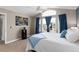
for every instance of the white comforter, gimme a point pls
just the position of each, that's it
(53, 43)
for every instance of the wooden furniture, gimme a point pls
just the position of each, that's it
(24, 33)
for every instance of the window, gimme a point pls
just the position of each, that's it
(53, 23)
(53, 20)
(44, 26)
(49, 13)
(40, 26)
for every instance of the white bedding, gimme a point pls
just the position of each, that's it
(53, 43)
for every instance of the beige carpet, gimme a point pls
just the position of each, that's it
(18, 46)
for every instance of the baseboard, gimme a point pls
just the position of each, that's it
(11, 41)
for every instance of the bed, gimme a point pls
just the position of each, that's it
(52, 43)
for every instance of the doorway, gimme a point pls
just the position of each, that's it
(3, 27)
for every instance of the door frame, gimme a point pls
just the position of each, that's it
(4, 27)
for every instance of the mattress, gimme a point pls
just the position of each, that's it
(53, 43)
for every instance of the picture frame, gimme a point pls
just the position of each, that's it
(21, 21)
(25, 21)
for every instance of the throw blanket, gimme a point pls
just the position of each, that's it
(35, 39)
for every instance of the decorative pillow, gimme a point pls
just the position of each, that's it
(72, 35)
(74, 28)
(63, 33)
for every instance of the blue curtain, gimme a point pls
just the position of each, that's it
(37, 25)
(48, 20)
(63, 22)
(77, 16)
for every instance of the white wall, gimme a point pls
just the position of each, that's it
(12, 29)
(32, 25)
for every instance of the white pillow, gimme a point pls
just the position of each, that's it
(72, 35)
(74, 28)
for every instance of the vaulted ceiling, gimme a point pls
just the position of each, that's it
(33, 10)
